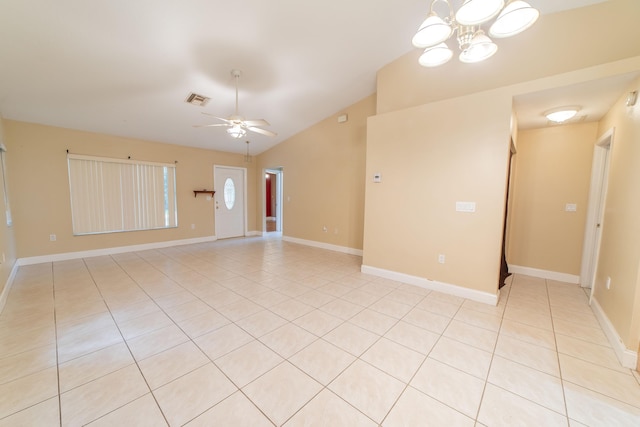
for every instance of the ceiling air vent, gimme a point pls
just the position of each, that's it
(198, 100)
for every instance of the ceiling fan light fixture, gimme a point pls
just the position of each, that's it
(516, 17)
(562, 114)
(474, 12)
(236, 132)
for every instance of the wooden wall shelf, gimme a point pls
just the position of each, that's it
(196, 192)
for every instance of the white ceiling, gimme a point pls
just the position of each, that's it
(124, 67)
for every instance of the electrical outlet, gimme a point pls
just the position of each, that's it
(193, 226)
(324, 229)
(52, 237)
(608, 283)
(441, 258)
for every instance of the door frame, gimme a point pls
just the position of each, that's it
(279, 186)
(244, 197)
(595, 210)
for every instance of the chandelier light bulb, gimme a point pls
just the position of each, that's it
(562, 114)
(481, 48)
(435, 55)
(433, 31)
(474, 12)
(236, 132)
(516, 17)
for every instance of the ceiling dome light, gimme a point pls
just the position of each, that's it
(432, 32)
(236, 132)
(562, 114)
(516, 17)
(481, 48)
(474, 12)
(435, 55)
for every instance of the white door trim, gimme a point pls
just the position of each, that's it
(278, 173)
(244, 196)
(595, 210)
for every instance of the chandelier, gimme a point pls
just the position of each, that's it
(466, 23)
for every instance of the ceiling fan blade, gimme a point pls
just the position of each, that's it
(262, 131)
(212, 125)
(257, 122)
(216, 117)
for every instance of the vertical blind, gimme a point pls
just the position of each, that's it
(112, 195)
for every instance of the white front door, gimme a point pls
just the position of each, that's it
(229, 201)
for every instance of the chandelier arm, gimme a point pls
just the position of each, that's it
(451, 13)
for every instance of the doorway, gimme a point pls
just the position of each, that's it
(595, 213)
(230, 201)
(272, 219)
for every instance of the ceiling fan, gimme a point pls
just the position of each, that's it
(236, 124)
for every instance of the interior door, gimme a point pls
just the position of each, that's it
(229, 201)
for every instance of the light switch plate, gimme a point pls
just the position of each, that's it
(465, 206)
(571, 207)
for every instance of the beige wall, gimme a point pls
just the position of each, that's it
(323, 176)
(620, 246)
(40, 187)
(428, 161)
(7, 237)
(534, 54)
(553, 169)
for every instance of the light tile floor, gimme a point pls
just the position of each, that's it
(260, 332)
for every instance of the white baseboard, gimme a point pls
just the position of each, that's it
(545, 274)
(627, 358)
(7, 286)
(110, 251)
(253, 233)
(321, 245)
(472, 294)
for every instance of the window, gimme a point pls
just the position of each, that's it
(7, 208)
(112, 195)
(229, 193)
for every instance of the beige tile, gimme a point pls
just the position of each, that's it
(187, 310)
(394, 359)
(291, 309)
(361, 297)
(318, 322)
(415, 338)
(270, 298)
(450, 386)
(191, 395)
(614, 384)
(322, 361)
(41, 414)
(142, 412)
(540, 319)
(472, 335)
(26, 391)
(527, 333)
(156, 342)
(236, 410)
(261, 323)
(415, 408)
(437, 306)
(176, 299)
(478, 318)
(240, 309)
(327, 409)
(342, 309)
(282, 391)
(531, 355)
(26, 363)
(130, 311)
(94, 365)
(222, 341)
(391, 308)
(576, 330)
(351, 338)
(596, 410)
(462, 356)
(173, 363)
(427, 320)
(203, 323)
(373, 321)
(97, 398)
(368, 389)
(502, 408)
(248, 362)
(541, 388)
(594, 353)
(315, 298)
(335, 289)
(288, 340)
(144, 324)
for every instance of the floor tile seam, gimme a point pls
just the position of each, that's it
(611, 370)
(577, 338)
(600, 393)
(533, 401)
(55, 331)
(130, 353)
